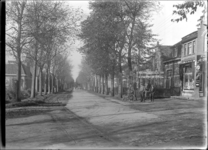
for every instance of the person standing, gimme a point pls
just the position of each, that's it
(142, 92)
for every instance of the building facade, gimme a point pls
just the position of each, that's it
(171, 68)
(192, 65)
(11, 75)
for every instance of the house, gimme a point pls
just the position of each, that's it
(192, 65)
(187, 64)
(11, 75)
(171, 68)
(162, 53)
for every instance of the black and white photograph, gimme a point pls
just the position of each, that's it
(105, 74)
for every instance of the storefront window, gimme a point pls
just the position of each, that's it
(188, 82)
(189, 48)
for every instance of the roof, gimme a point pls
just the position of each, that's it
(165, 51)
(189, 37)
(177, 44)
(12, 69)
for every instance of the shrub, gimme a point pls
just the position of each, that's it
(10, 95)
(25, 94)
(162, 92)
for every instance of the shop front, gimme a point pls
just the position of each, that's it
(187, 77)
(192, 76)
(188, 80)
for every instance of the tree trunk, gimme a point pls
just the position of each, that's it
(45, 83)
(49, 81)
(129, 50)
(96, 83)
(33, 80)
(40, 82)
(99, 86)
(36, 84)
(120, 88)
(106, 84)
(18, 84)
(52, 90)
(112, 84)
(103, 86)
(57, 85)
(19, 49)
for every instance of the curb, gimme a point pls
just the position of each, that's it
(186, 98)
(33, 108)
(28, 100)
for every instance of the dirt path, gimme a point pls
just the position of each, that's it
(144, 124)
(91, 121)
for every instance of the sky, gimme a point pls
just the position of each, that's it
(169, 33)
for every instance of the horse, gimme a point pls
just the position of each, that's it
(142, 92)
(149, 89)
(152, 93)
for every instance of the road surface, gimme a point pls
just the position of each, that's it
(92, 121)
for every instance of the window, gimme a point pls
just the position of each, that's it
(184, 49)
(193, 47)
(190, 48)
(188, 81)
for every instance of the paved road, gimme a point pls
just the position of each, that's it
(91, 121)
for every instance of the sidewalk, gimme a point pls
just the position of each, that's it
(186, 98)
(116, 99)
(119, 100)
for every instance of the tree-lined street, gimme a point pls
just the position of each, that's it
(132, 89)
(91, 121)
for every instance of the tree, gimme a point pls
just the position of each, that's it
(52, 26)
(84, 74)
(188, 7)
(16, 38)
(63, 71)
(99, 32)
(137, 14)
(112, 29)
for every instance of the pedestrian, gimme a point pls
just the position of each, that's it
(152, 92)
(147, 90)
(141, 91)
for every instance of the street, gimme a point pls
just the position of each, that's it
(91, 121)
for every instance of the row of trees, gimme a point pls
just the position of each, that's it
(42, 32)
(115, 35)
